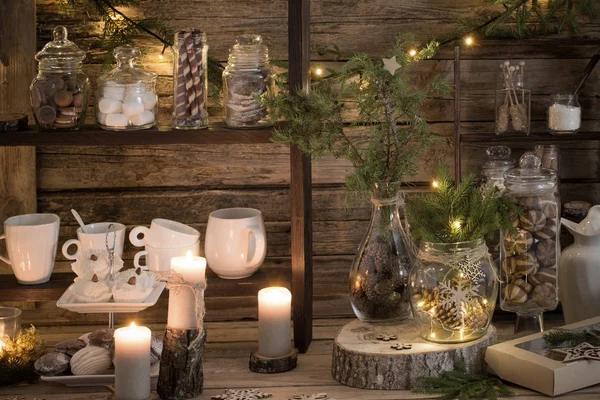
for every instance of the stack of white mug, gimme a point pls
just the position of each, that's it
(164, 240)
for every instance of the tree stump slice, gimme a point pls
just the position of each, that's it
(181, 373)
(273, 365)
(361, 360)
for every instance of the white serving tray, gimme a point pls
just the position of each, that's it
(68, 302)
(96, 380)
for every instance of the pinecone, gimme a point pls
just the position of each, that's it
(475, 317)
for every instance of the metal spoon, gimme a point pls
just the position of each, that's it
(78, 218)
(587, 72)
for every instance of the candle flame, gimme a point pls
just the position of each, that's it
(132, 324)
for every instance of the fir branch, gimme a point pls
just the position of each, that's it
(459, 384)
(570, 338)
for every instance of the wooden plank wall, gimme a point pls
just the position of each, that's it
(133, 184)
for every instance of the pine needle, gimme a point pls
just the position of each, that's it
(459, 384)
(570, 338)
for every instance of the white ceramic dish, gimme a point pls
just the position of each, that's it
(68, 302)
(95, 380)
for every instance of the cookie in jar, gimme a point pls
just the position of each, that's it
(530, 252)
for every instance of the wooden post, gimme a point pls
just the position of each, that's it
(301, 196)
(457, 115)
(17, 69)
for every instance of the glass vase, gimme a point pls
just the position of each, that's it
(453, 290)
(380, 270)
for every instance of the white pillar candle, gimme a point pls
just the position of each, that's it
(274, 316)
(132, 363)
(182, 302)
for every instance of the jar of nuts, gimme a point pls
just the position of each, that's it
(59, 92)
(529, 255)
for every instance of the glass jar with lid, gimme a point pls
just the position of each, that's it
(245, 79)
(513, 101)
(59, 92)
(126, 96)
(564, 114)
(497, 163)
(529, 255)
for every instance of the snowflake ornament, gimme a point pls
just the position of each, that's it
(456, 295)
(401, 346)
(386, 338)
(471, 270)
(316, 396)
(242, 394)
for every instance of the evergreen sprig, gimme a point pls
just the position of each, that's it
(569, 338)
(461, 385)
(452, 213)
(389, 106)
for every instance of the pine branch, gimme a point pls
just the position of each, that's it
(459, 384)
(569, 338)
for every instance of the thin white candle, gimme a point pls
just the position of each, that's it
(132, 363)
(182, 302)
(274, 315)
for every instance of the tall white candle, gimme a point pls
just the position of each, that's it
(274, 327)
(132, 363)
(182, 302)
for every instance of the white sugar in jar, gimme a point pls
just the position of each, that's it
(564, 114)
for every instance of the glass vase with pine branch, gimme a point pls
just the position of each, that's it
(381, 267)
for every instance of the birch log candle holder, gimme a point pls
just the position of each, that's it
(181, 373)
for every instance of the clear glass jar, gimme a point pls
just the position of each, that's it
(549, 154)
(379, 274)
(529, 257)
(453, 291)
(564, 114)
(513, 101)
(126, 96)
(245, 79)
(190, 80)
(10, 323)
(59, 92)
(497, 163)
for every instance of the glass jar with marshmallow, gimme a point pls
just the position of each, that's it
(126, 96)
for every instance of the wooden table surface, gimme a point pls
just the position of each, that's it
(226, 367)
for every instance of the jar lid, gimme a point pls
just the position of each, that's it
(60, 49)
(498, 157)
(127, 72)
(530, 171)
(249, 49)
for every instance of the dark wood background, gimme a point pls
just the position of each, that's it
(133, 184)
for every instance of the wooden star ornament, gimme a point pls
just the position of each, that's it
(391, 64)
(584, 351)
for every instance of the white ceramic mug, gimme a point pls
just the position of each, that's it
(164, 233)
(236, 243)
(94, 237)
(31, 242)
(159, 259)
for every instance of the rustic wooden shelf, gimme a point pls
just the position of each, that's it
(487, 138)
(94, 136)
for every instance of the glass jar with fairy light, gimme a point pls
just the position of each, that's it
(513, 101)
(529, 255)
(59, 92)
(126, 96)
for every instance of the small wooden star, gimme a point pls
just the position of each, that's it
(401, 346)
(584, 351)
(391, 64)
(386, 338)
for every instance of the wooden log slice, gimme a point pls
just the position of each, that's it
(181, 373)
(361, 360)
(270, 365)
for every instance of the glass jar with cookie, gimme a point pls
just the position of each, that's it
(529, 255)
(59, 92)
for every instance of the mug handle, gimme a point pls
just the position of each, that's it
(6, 260)
(136, 260)
(133, 236)
(65, 249)
(260, 246)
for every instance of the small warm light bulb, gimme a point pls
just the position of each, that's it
(420, 304)
(318, 72)
(469, 40)
(160, 56)
(1, 345)
(432, 335)
(485, 301)
(435, 184)
(456, 224)
(412, 52)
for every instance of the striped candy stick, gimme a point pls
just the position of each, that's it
(189, 76)
(198, 73)
(181, 106)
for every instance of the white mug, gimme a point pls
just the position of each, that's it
(159, 259)
(236, 243)
(31, 242)
(164, 233)
(94, 237)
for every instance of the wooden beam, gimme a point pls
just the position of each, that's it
(299, 79)
(17, 69)
(457, 114)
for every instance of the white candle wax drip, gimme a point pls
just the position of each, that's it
(274, 316)
(182, 302)
(563, 118)
(132, 363)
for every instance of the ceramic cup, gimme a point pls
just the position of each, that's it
(236, 243)
(31, 242)
(95, 238)
(159, 259)
(164, 233)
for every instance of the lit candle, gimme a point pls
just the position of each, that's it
(182, 302)
(274, 315)
(132, 363)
